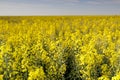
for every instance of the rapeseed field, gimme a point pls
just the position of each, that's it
(60, 48)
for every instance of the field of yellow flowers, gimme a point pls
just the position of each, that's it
(60, 48)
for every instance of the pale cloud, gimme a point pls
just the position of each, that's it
(72, 0)
(65, 0)
(103, 2)
(116, 1)
(94, 2)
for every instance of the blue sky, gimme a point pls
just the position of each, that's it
(59, 7)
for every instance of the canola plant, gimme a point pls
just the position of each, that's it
(60, 48)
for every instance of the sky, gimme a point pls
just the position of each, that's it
(59, 7)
